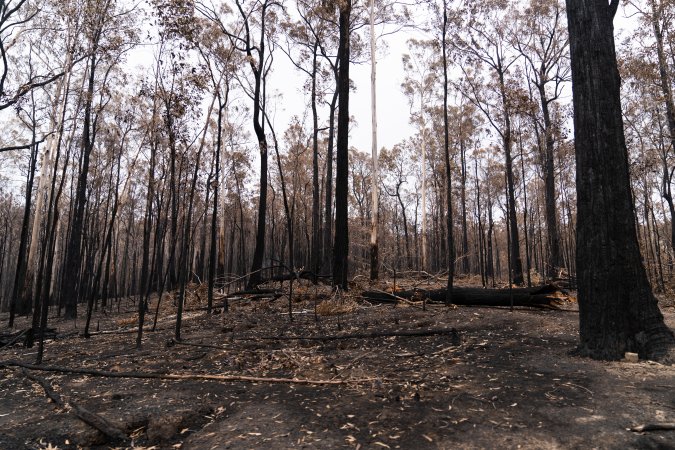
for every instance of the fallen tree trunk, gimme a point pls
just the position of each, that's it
(548, 296)
(171, 376)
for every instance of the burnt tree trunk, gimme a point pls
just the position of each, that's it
(551, 213)
(214, 215)
(617, 310)
(258, 126)
(514, 239)
(448, 171)
(22, 261)
(665, 82)
(73, 259)
(316, 202)
(547, 296)
(341, 247)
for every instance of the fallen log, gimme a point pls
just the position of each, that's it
(547, 296)
(100, 423)
(254, 294)
(176, 376)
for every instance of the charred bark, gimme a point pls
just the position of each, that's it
(618, 312)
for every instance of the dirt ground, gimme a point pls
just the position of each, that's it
(504, 380)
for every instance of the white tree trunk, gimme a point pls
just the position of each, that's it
(375, 168)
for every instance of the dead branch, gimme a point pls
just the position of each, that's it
(399, 299)
(194, 344)
(12, 339)
(375, 334)
(172, 376)
(654, 427)
(86, 416)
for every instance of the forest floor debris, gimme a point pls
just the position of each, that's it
(401, 377)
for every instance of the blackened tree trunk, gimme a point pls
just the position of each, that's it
(174, 191)
(316, 202)
(617, 310)
(214, 216)
(187, 242)
(514, 246)
(328, 214)
(665, 81)
(341, 248)
(107, 244)
(466, 266)
(489, 266)
(22, 261)
(257, 67)
(448, 172)
(551, 213)
(73, 259)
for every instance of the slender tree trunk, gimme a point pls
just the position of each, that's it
(73, 260)
(375, 173)
(665, 82)
(514, 239)
(258, 125)
(328, 219)
(185, 250)
(525, 210)
(490, 268)
(423, 164)
(146, 267)
(617, 310)
(107, 244)
(21, 264)
(448, 170)
(466, 267)
(553, 235)
(213, 249)
(406, 235)
(315, 245)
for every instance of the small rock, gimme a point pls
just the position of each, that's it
(631, 357)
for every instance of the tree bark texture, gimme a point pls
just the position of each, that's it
(341, 247)
(617, 311)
